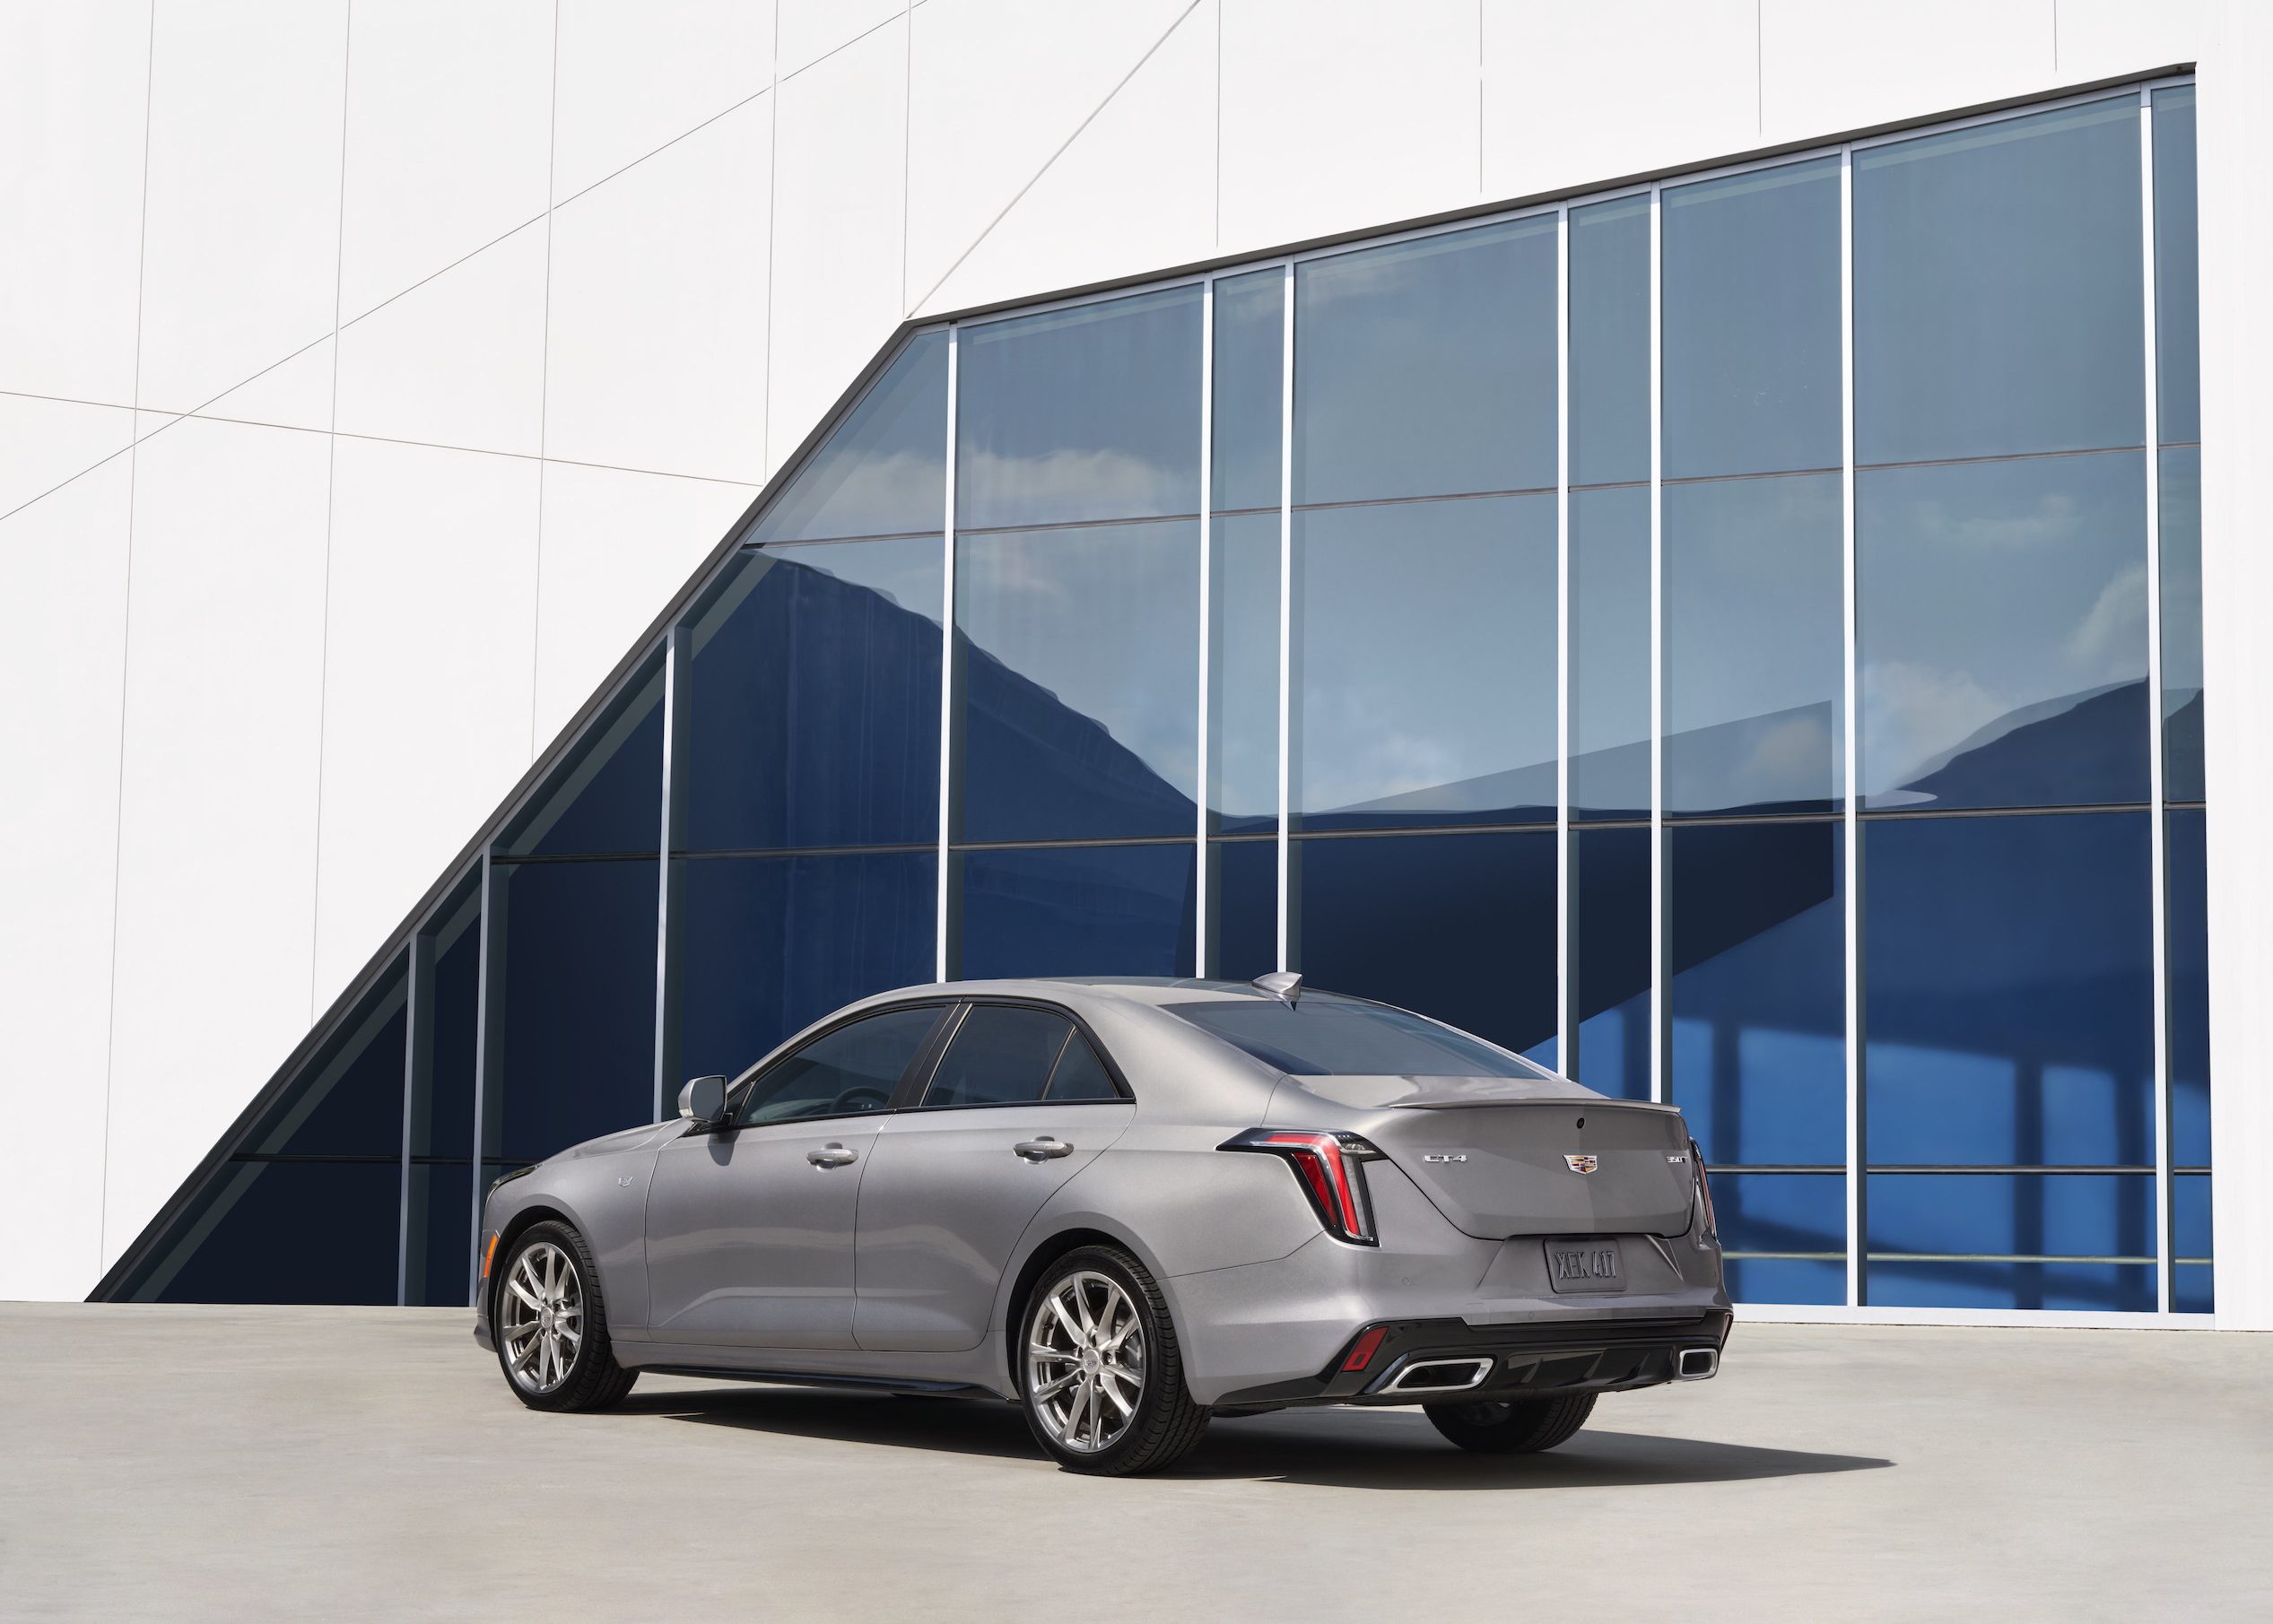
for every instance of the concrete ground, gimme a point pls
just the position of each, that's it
(243, 1463)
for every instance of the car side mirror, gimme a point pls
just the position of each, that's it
(703, 1101)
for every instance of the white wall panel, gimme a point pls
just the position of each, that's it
(63, 626)
(459, 360)
(1137, 187)
(996, 88)
(239, 254)
(631, 78)
(836, 279)
(217, 807)
(2101, 38)
(656, 354)
(1574, 95)
(448, 134)
(296, 393)
(428, 664)
(1827, 68)
(71, 82)
(810, 30)
(45, 442)
(616, 546)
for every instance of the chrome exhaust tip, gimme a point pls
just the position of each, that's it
(1695, 1364)
(1437, 1375)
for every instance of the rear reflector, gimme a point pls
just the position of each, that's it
(1366, 1346)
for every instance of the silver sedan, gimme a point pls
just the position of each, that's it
(1127, 1206)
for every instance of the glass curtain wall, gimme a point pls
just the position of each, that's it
(1736, 639)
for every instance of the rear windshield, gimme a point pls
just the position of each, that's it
(1328, 1037)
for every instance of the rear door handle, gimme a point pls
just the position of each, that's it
(1042, 1148)
(831, 1155)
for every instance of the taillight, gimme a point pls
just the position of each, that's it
(1327, 1167)
(1704, 1191)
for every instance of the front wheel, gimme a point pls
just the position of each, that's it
(1101, 1376)
(551, 1328)
(1522, 1427)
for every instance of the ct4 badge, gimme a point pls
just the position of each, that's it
(1581, 1163)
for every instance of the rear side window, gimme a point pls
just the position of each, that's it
(1080, 1075)
(1322, 1036)
(1001, 1055)
(852, 1069)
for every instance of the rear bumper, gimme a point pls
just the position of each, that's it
(1504, 1362)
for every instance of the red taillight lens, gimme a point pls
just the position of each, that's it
(1326, 1165)
(1704, 1189)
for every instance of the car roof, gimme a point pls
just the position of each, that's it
(1152, 990)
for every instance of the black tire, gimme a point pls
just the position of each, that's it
(1166, 1423)
(1523, 1428)
(593, 1379)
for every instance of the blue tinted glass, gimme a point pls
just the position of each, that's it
(1750, 333)
(606, 794)
(1115, 910)
(1997, 289)
(771, 944)
(1458, 927)
(2193, 1289)
(1424, 664)
(1242, 673)
(1077, 682)
(1610, 342)
(1427, 368)
(812, 704)
(2182, 548)
(1251, 348)
(289, 1232)
(2192, 1282)
(2003, 625)
(2186, 904)
(2105, 1221)
(882, 470)
(1242, 908)
(1610, 960)
(1090, 412)
(2074, 1287)
(1610, 654)
(2009, 990)
(1754, 580)
(1759, 1000)
(2177, 308)
(575, 1016)
(1798, 1220)
(438, 1237)
(347, 1100)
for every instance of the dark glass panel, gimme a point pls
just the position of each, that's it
(1610, 960)
(1610, 654)
(441, 1115)
(439, 1238)
(1251, 348)
(287, 1232)
(1424, 664)
(1242, 673)
(1759, 998)
(1076, 679)
(883, 469)
(1458, 927)
(2009, 991)
(1114, 910)
(2193, 1289)
(2193, 1285)
(1998, 288)
(1755, 582)
(2003, 625)
(999, 1055)
(2186, 884)
(2178, 368)
(771, 944)
(856, 1068)
(1750, 335)
(605, 796)
(1427, 368)
(1080, 1075)
(1783, 1213)
(574, 985)
(1955, 1218)
(1088, 412)
(2181, 549)
(1610, 342)
(347, 1100)
(813, 703)
(1242, 908)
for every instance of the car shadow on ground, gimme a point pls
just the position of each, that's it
(1338, 1448)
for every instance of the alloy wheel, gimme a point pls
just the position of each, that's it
(1085, 1362)
(543, 1323)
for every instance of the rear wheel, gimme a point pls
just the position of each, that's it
(551, 1324)
(1101, 1374)
(1522, 1427)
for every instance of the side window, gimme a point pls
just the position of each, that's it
(1000, 1056)
(1080, 1075)
(855, 1068)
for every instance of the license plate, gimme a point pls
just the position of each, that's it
(1592, 1264)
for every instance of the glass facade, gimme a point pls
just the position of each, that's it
(1738, 638)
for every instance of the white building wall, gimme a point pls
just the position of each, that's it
(368, 381)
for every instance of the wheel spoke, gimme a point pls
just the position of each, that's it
(523, 1292)
(1057, 1307)
(1109, 1384)
(1058, 1383)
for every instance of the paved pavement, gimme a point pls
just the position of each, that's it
(297, 1463)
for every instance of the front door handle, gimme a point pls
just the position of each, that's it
(1042, 1148)
(831, 1155)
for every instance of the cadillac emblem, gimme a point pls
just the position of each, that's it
(1581, 1164)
